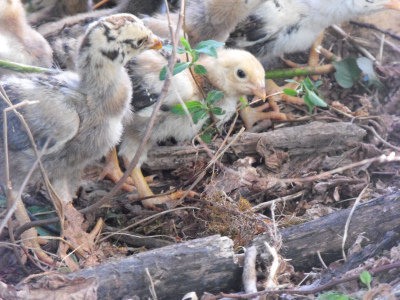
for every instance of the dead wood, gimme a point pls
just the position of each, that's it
(302, 242)
(315, 137)
(200, 265)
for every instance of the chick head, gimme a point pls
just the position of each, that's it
(237, 72)
(119, 37)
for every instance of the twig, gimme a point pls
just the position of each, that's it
(363, 51)
(145, 220)
(388, 43)
(321, 260)
(372, 129)
(280, 199)
(302, 71)
(97, 5)
(151, 287)
(152, 119)
(379, 159)
(308, 291)
(249, 277)
(270, 283)
(374, 27)
(346, 227)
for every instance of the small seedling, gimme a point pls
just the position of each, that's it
(308, 90)
(199, 111)
(349, 71)
(366, 278)
(206, 47)
(334, 296)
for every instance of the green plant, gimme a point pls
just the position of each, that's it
(199, 111)
(349, 71)
(308, 90)
(206, 47)
(366, 278)
(333, 296)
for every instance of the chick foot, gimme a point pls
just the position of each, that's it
(113, 171)
(81, 242)
(251, 115)
(30, 238)
(145, 191)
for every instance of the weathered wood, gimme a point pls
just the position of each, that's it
(199, 265)
(373, 218)
(315, 137)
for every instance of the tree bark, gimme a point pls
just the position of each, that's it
(302, 242)
(315, 137)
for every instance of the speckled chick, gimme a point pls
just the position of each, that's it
(80, 114)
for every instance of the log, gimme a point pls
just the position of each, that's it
(315, 137)
(200, 265)
(206, 264)
(302, 242)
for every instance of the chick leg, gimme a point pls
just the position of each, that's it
(145, 191)
(30, 237)
(113, 171)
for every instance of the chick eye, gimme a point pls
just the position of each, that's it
(140, 42)
(241, 73)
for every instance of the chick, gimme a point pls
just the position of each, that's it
(285, 26)
(207, 19)
(52, 10)
(19, 42)
(234, 72)
(79, 114)
(64, 35)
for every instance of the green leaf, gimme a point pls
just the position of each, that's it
(214, 96)
(195, 56)
(333, 296)
(367, 66)
(199, 69)
(308, 83)
(206, 137)
(192, 107)
(314, 99)
(185, 44)
(200, 114)
(308, 102)
(317, 84)
(218, 111)
(241, 99)
(290, 92)
(209, 47)
(179, 67)
(163, 72)
(347, 72)
(366, 278)
(291, 81)
(179, 50)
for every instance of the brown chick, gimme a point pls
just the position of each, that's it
(19, 42)
(234, 72)
(80, 114)
(52, 10)
(206, 19)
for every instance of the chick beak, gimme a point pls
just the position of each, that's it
(394, 4)
(260, 92)
(157, 44)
